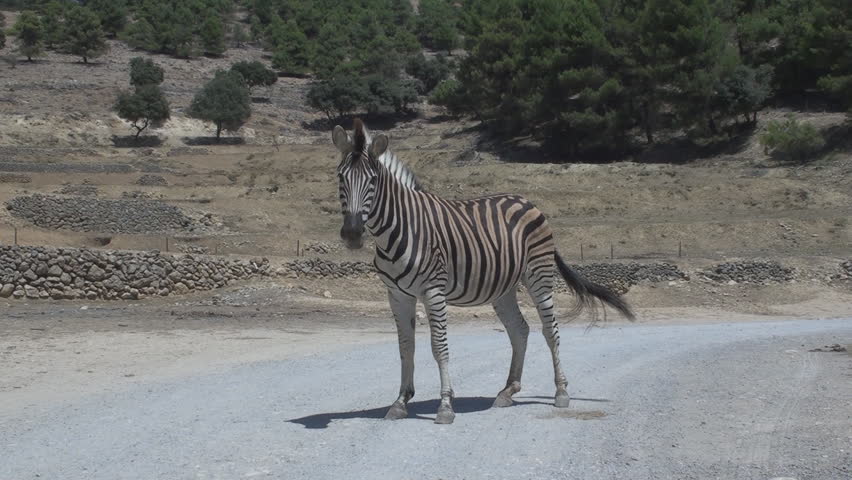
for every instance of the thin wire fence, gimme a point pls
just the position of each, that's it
(271, 244)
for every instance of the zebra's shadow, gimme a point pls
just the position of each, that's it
(420, 410)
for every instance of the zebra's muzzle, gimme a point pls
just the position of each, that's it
(352, 232)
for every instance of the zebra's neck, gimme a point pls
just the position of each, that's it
(396, 186)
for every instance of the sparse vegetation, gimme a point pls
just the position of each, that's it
(791, 139)
(224, 100)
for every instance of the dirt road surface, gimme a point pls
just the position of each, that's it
(744, 401)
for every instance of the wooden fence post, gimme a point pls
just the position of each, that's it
(581, 252)
(611, 251)
(679, 248)
(16, 236)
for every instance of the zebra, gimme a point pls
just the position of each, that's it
(453, 252)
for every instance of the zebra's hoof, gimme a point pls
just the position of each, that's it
(445, 415)
(397, 411)
(562, 400)
(502, 401)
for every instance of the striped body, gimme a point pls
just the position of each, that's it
(473, 250)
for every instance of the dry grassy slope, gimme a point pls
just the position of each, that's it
(743, 204)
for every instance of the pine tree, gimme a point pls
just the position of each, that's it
(30, 34)
(112, 14)
(83, 35)
(291, 47)
(140, 34)
(437, 25)
(213, 36)
(53, 21)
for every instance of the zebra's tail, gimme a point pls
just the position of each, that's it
(587, 292)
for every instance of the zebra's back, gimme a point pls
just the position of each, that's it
(488, 244)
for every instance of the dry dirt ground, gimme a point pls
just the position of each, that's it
(279, 188)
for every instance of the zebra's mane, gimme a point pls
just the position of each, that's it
(391, 162)
(399, 171)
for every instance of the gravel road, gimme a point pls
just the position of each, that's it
(727, 401)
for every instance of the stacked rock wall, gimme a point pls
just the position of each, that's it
(96, 215)
(69, 273)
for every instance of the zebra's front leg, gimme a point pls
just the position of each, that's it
(436, 304)
(404, 308)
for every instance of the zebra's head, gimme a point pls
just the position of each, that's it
(357, 175)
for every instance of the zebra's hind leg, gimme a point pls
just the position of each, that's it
(404, 308)
(518, 330)
(436, 306)
(541, 290)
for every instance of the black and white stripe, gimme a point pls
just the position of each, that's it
(453, 252)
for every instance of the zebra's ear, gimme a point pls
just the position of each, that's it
(379, 145)
(341, 140)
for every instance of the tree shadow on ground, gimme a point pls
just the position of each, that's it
(422, 410)
(198, 141)
(129, 141)
(730, 140)
(373, 122)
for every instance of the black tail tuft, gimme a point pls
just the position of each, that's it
(587, 291)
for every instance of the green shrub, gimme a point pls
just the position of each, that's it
(83, 35)
(30, 34)
(145, 72)
(429, 72)
(792, 139)
(255, 73)
(446, 94)
(224, 100)
(146, 106)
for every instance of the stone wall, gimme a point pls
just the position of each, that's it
(96, 215)
(756, 272)
(70, 273)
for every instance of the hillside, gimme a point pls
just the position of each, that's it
(58, 137)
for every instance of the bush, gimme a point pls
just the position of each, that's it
(213, 36)
(145, 72)
(429, 72)
(255, 74)
(446, 94)
(792, 139)
(224, 100)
